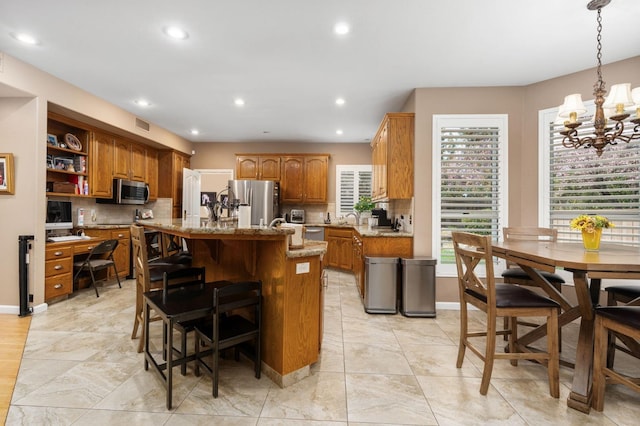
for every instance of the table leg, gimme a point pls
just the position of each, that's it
(580, 396)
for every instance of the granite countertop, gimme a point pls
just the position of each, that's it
(364, 230)
(311, 248)
(106, 226)
(200, 228)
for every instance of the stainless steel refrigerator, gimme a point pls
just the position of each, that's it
(262, 195)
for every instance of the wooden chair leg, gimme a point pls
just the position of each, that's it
(462, 346)
(489, 356)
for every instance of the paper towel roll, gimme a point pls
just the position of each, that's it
(244, 216)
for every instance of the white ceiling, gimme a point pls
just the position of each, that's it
(283, 59)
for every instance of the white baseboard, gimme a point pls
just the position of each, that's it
(15, 310)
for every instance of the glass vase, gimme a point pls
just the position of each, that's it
(591, 240)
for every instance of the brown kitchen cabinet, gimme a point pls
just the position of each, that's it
(170, 179)
(304, 178)
(129, 160)
(339, 248)
(262, 167)
(151, 158)
(101, 176)
(392, 157)
(58, 271)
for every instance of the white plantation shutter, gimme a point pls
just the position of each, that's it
(352, 182)
(470, 180)
(580, 182)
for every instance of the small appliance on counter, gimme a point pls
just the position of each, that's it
(381, 215)
(296, 240)
(297, 216)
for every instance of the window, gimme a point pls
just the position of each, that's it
(577, 181)
(470, 180)
(352, 182)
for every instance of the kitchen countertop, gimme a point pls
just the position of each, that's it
(364, 230)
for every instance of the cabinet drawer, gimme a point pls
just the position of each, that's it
(57, 253)
(120, 234)
(340, 233)
(80, 248)
(57, 286)
(58, 266)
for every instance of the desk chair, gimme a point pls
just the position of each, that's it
(515, 275)
(231, 329)
(99, 258)
(621, 320)
(148, 276)
(627, 295)
(500, 300)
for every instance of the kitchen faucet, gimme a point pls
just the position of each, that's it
(275, 221)
(354, 214)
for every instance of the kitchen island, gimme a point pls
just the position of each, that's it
(291, 286)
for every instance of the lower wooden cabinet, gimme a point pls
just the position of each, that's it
(339, 248)
(58, 271)
(122, 255)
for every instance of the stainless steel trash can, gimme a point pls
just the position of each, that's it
(418, 289)
(381, 285)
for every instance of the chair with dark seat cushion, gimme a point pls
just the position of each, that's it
(236, 323)
(99, 258)
(623, 321)
(148, 276)
(627, 295)
(500, 300)
(515, 275)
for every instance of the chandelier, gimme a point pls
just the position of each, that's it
(608, 120)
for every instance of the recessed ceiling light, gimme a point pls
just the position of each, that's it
(339, 132)
(341, 28)
(25, 38)
(176, 32)
(195, 132)
(340, 101)
(142, 102)
(239, 102)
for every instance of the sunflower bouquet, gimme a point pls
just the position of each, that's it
(590, 223)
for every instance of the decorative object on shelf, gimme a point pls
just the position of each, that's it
(611, 108)
(591, 228)
(52, 140)
(7, 183)
(73, 142)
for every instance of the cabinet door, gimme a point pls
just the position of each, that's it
(247, 167)
(138, 170)
(101, 171)
(292, 184)
(122, 253)
(152, 173)
(121, 159)
(345, 254)
(315, 179)
(269, 168)
(331, 258)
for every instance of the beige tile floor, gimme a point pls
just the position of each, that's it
(80, 367)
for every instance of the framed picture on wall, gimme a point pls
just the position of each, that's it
(207, 197)
(7, 183)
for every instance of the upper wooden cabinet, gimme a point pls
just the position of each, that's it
(304, 178)
(170, 179)
(101, 179)
(152, 173)
(392, 157)
(129, 161)
(262, 167)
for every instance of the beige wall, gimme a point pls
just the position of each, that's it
(23, 132)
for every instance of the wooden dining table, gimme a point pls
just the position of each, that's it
(589, 268)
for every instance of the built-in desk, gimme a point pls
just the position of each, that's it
(59, 258)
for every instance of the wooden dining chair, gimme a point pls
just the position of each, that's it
(474, 260)
(516, 275)
(628, 295)
(99, 258)
(623, 321)
(231, 329)
(148, 277)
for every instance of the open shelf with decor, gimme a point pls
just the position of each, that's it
(67, 157)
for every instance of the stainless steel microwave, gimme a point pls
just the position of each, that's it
(127, 192)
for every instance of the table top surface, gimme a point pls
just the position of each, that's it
(610, 257)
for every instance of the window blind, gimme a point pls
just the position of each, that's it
(352, 182)
(471, 182)
(580, 182)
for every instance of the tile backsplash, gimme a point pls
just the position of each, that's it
(116, 214)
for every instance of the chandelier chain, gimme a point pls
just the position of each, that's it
(600, 82)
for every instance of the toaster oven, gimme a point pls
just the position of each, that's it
(297, 216)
